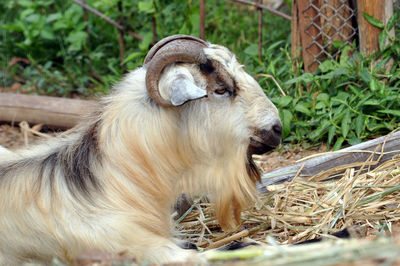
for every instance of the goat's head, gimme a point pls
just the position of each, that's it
(211, 71)
(225, 115)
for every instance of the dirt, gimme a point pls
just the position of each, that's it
(14, 137)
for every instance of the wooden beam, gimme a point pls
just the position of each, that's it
(51, 111)
(347, 157)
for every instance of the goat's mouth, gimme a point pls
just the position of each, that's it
(265, 139)
(257, 146)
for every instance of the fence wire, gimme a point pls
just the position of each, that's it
(332, 23)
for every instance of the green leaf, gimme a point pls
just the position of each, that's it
(302, 124)
(78, 36)
(337, 73)
(286, 117)
(382, 39)
(60, 24)
(25, 3)
(146, 7)
(338, 144)
(306, 77)
(359, 124)
(371, 102)
(365, 75)
(390, 112)
(338, 44)
(392, 21)
(13, 27)
(320, 131)
(32, 18)
(194, 21)
(331, 134)
(145, 43)
(252, 50)
(373, 84)
(346, 123)
(344, 57)
(324, 98)
(132, 56)
(284, 101)
(354, 140)
(26, 13)
(47, 33)
(76, 40)
(328, 65)
(374, 21)
(303, 108)
(53, 17)
(320, 105)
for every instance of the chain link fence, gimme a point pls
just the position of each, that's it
(332, 24)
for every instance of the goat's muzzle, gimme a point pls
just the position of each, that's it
(266, 139)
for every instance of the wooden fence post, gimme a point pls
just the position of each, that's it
(302, 34)
(369, 34)
(202, 19)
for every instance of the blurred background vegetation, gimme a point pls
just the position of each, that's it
(53, 47)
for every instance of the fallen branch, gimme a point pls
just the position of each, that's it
(381, 149)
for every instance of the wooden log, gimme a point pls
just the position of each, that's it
(344, 157)
(51, 111)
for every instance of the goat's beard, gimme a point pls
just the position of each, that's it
(236, 196)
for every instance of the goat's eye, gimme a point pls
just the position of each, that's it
(220, 91)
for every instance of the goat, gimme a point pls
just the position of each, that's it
(187, 121)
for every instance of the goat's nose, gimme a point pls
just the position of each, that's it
(277, 128)
(271, 136)
(266, 138)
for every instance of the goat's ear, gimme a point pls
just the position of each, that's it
(182, 90)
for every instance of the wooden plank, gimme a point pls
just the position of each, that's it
(369, 34)
(347, 156)
(52, 111)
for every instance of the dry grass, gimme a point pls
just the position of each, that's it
(365, 201)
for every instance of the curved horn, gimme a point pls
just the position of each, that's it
(166, 40)
(177, 48)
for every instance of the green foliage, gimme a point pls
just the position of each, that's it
(346, 101)
(84, 55)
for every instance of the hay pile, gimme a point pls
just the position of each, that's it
(367, 202)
